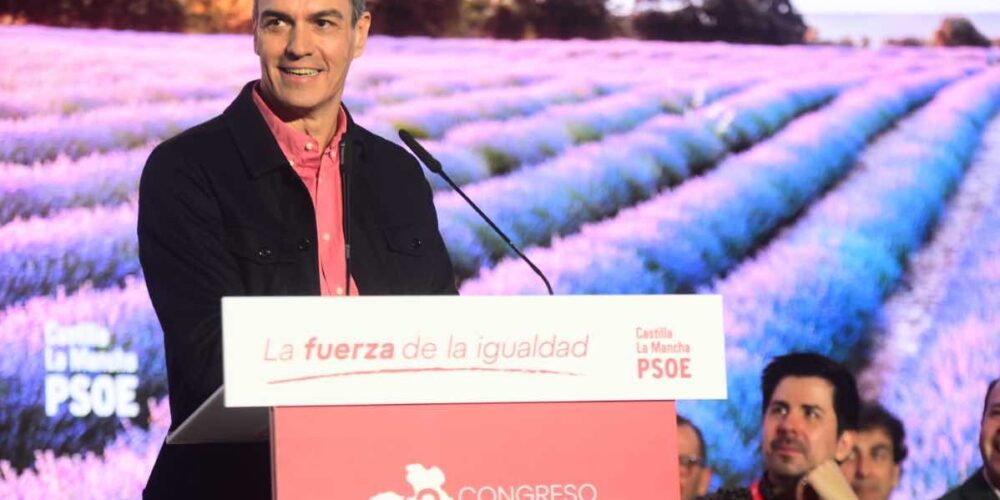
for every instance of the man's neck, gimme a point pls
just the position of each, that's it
(320, 125)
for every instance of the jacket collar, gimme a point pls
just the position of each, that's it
(258, 147)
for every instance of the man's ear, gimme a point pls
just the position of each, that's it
(361, 33)
(704, 480)
(845, 444)
(256, 37)
(896, 472)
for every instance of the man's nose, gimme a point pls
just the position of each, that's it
(299, 43)
(862, 466)
(790, 423)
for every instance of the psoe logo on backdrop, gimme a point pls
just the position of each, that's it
(428, 484)
(85, 373)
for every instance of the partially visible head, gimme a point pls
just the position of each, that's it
(989, 433)
(810, 412)
(357, 9)
(306, 48)
(695, 474)
(876, 461)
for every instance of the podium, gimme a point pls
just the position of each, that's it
(464, 398)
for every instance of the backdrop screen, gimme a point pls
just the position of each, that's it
(842, 200)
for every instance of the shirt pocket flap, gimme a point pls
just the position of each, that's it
(410, 239)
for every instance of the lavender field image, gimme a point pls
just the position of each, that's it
(841, 200)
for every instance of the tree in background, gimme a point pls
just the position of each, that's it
(151, 15)
(740, 21)
(959, 31)
(416, 17)
(560, 19)
(217, 16)
(565, 19)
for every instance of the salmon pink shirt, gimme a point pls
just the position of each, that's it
(320, 172)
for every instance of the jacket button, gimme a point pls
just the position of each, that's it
(304, 244)
(264, 253)
(415, 243)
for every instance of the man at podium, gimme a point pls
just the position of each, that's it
(282, 194)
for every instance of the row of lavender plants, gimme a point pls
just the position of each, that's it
(479, 150)
(45, 137)
(48, 186)
(112, 58)
(107, 178)
(44, 189)
(61, 251)
(432, 117)
(43, 254)
(682, 238)
(595, 181)
(817, 286)
(40, 256)
(955, 354)
(118, 472)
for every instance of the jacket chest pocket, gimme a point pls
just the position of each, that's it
(265, 262)
(409, 247)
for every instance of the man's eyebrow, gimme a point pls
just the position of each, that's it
(275, 14)
(812, 407)
(327, 13)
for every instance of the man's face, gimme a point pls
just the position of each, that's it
(305, 49)
(800, 428)
(989, 437)
(695, 478)
(871, 470)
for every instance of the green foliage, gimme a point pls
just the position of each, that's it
(416, 17)
(153, 15)
(739, 21)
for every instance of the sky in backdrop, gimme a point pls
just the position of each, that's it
(880, 6)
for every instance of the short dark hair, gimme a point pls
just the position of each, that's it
(989, 390)
(681, 420)
(808, 364)
(357, 8)
(874, 416)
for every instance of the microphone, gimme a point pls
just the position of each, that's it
(345, 199)
(434, 165)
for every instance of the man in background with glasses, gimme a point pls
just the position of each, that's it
(695, 474)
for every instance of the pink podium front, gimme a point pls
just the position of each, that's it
(466, 398)
(523, 451)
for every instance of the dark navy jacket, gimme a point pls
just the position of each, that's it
(222, 213)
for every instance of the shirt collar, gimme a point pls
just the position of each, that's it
(298, 147)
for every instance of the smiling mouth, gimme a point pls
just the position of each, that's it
(300, 71)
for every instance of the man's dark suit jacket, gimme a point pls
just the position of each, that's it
(222, 213)
(974, 488)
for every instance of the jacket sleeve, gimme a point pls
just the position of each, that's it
(444, 272)
(187, 271)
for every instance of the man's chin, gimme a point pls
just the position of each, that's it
(787, 471)
(867, 492)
